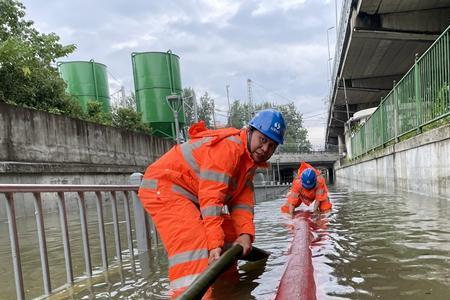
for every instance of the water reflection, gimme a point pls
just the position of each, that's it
(375, 244)
(384, 245)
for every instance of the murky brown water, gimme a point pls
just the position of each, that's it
(374, 245)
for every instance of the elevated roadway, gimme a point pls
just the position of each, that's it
(283, 165)
(376, 45)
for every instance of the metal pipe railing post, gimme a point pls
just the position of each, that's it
(417, 93)
(65, 236)
(42, 243)
(128, 223)
(396, 113)
(116, 226)
(101, 229)
(15, 249)
(143, 243)
(85, 234)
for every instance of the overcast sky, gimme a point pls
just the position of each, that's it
(281, 45)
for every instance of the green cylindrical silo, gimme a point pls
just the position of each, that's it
(86, 81)
(156, 76)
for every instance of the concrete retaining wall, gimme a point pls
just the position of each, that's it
(35, 142)
(420, 164)
(42, 148)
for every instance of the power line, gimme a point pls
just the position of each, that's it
(313, 116)
(271, 91)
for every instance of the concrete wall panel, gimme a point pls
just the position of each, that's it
(420, 165)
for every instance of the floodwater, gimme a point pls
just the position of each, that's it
(374, 245)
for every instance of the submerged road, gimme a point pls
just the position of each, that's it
(374, 245)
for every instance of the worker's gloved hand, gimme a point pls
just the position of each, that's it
(245, 240)
(214, 255)
(306, 202)
(316, 207)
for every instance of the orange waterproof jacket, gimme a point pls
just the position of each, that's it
(298, 194)
(213, 169)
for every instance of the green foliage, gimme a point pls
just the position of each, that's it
(96, 114)
(128, 118)
(295, 137)
(206, 109)
(441, 103)
(26, 57)
(188, 105)
(239, 114)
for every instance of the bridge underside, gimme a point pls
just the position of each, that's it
(381, 42)
(288, 163)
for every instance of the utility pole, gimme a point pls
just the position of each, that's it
(229, 107)
(250, 97)
(213, 113)
(194, 103)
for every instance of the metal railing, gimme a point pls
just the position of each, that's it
(143, 233)
(421, 97)
(144, 230)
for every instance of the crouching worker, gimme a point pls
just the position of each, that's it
(309, 185)
(185, 192)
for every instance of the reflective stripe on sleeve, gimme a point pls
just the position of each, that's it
(187, 151)
(149, 184)
(215, 176)
(183, 281)
(234, 139)
(293, 195)
(246, 207)
(179, 190)
(188, 257)
(212, 211)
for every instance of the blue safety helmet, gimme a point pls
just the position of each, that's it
(309, 178)
(269, 122)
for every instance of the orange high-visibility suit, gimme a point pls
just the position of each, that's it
(185, 192)
(298, 194)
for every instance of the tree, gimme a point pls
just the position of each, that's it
(27, 58)
(206, 109)
(296, 136)
(96, 114)
(128, 118)
(238, 116)
(295, 139)
(188, 105)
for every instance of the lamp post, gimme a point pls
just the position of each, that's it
(229, 108)
(329, 56)
(175, 103)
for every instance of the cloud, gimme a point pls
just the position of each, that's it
(266, 6)
(280, 44)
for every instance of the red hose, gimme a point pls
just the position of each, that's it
(298, 279)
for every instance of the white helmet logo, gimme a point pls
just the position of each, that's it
(277, 125)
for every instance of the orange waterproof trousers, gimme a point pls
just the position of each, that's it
(180, 226)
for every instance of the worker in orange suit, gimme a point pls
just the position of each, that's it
(308, 187)
(200, 193)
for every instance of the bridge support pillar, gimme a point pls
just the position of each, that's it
(341, 145)
(330, 175)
